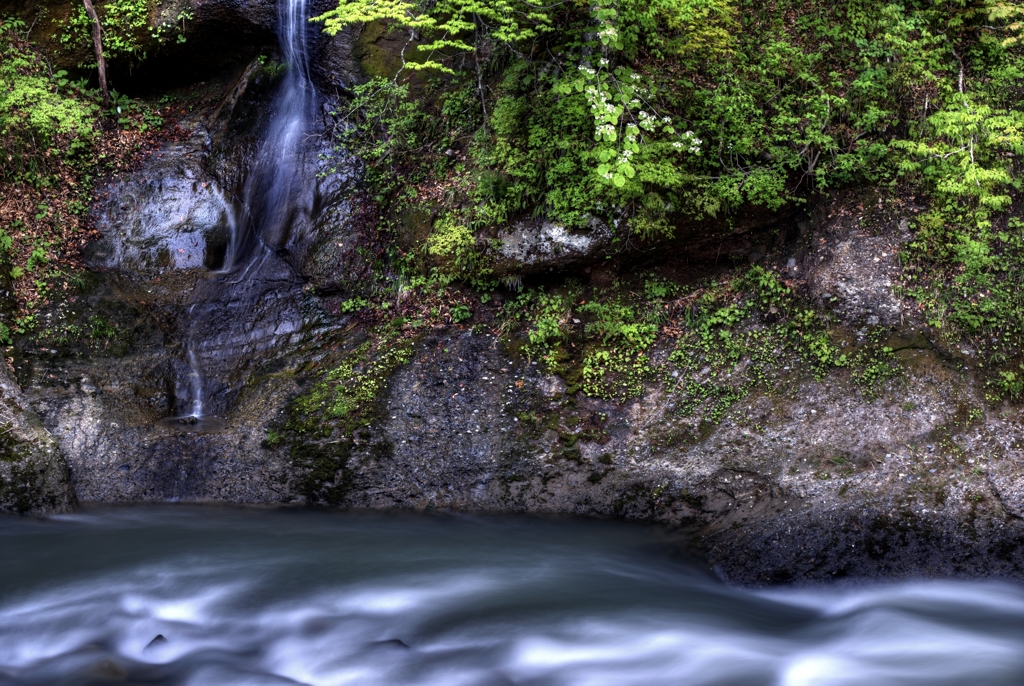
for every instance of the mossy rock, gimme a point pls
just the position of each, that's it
(381, 48)
(34, 476)
(414, 227)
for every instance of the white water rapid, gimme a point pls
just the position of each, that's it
(259, 598)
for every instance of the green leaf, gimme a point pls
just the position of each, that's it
(619, 180)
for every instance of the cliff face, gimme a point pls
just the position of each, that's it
(804, 477)
(809, 427)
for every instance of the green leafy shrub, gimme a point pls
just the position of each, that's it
(649, 111)
(617, 323)
(53, 147)
(43, 118)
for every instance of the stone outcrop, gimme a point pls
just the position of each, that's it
(530, 246)
(170, 215)
(34, 476)
(851, 268)
(218, 34)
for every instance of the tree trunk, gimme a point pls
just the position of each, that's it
(97, 44)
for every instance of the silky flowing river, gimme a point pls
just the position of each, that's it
(298, 597)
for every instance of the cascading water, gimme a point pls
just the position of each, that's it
(274, 183)
(197, 385)
(273, 202)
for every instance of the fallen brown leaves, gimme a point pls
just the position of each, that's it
(51, 218)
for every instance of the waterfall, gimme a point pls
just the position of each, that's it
(274, 182)
(271, 203)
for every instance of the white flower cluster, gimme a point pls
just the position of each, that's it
(587, 70)
(601, 108)
(690, 142)
(608, 32)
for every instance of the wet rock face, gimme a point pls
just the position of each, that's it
(34, 476)
(328, 236)
(818, 484)
(170, 214)
(118, 453)
(166, 232)
(167, 237)
(851, 269)
(335, 66)
(430, 462)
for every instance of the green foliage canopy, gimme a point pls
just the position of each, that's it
(648, 114)
(450, 23)
(649, 109)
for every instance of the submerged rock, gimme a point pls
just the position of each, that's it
(157, 641)
(108, 670)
